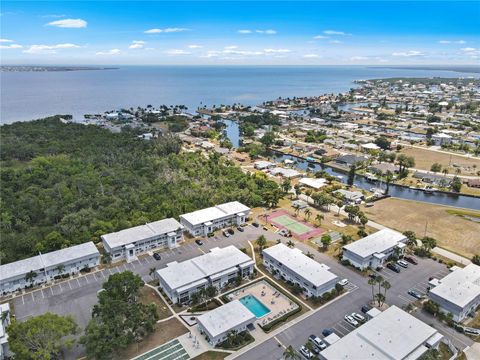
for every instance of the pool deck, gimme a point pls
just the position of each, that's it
(274, 300)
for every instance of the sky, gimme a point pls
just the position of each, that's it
(240, 33)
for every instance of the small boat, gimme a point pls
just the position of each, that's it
(429, 189)
(370, 177)
(339, 177)
(309, 158)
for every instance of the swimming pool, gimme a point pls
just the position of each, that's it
(255, 306)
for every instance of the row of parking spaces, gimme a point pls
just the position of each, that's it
(343, 328)
(172, 350)
(350, 287)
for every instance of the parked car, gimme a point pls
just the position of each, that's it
(306, 353)
(343, 282)
(415, 294)
(319, 344)
(231, 231)
(351, 320)
(157, 256)
(265, 228)
(199, 242)
(393, 267)
(256, 224)
(366, 308)
(358, 317)
(411, 260)
(326, 332)
(402, 263)
(241, 229)
(226, 234)
(372, 276)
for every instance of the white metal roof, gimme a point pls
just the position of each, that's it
(178, 275)
(314, 183)
(142, 232)
(302, 265)
(215, 212)
(47, 260)
(461, 286)
(226, 317)
(378, 242)
(393, 334)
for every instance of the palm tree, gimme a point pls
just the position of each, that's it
(30, 276)
(151, 271)
(386, 285)
(319, 219)
(380, 299)
(296, 208)
(388, 180)
(60, 269)
(261, 242)
(372, 282)
(307, 213)
(290, 243)
(290, 353)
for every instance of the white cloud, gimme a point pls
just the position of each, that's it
(334, 32)
(6, 41)
(11, 46)
(69, 23)
(468, 49)
(55, 16)
(452, 42)
(109, 52)
(320, 37)
(137, 44)
(49, 49)
(177, 52)
(194, 46)
(231, 47)
(276, 51)
(310, 56)
(268, 31)
(358, 58)
(244, 31)
(411, 53)
(166, 30)
(335, 42)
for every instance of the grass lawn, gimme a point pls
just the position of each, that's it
(165, 332)
(451, 231)
(424, 159)
(148, 295)
(212, 355)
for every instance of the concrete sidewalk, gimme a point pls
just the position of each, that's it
(452, 256)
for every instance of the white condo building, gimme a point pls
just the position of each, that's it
(457, 293)
(4, 322)
(202, 222)
(128, 243)
(218, 323)
(46, 267)
(392, 334)
(292, 265)
(217, 268)
(373, 250)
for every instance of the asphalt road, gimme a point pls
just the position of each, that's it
(77, 296)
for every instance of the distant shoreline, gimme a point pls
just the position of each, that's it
(30, 68)
(460, 69)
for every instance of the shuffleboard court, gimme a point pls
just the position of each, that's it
(172, 350)
(300, 229)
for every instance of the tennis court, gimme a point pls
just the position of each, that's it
(172, 350)
(300, 229)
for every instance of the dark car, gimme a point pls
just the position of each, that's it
(157, 256)
(393, 267)
(366, 308)
(241, 229)
(199, 242)
(411, 260)
(415, 294)
(372, 276)
(231, 231)
(256, 224)
(327, 332)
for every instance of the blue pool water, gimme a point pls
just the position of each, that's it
(255, 306)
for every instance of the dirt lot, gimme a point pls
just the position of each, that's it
(452, 232)
(165, 331)
(148, 295)
(425, 158)
(212, 355)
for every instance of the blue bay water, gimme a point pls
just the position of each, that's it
(31, 95)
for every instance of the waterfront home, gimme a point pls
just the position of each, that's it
(352, 197)
(262, 165)
(349, 160)
(313, 183)
(219, 267)
(284, 172)
(204, 221)
(127, 244)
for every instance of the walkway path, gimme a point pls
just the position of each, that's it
(452, 256)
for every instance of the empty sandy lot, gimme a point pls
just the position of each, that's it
(452, 232)
(425, 158)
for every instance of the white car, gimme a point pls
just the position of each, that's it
(306, 353)
(343, 282)
(351, 320)
(402, 263)
(358, 317)
(226, 234)
(317, 342)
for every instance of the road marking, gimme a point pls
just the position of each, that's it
(51, 289)
(78, 282)
(405, 299)
(342, 332)
(61, 289)
(86, 279)
(43, 295)
(125, 266)
(133, 266)
(23, 300)
(69, 285)
(110, 271)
